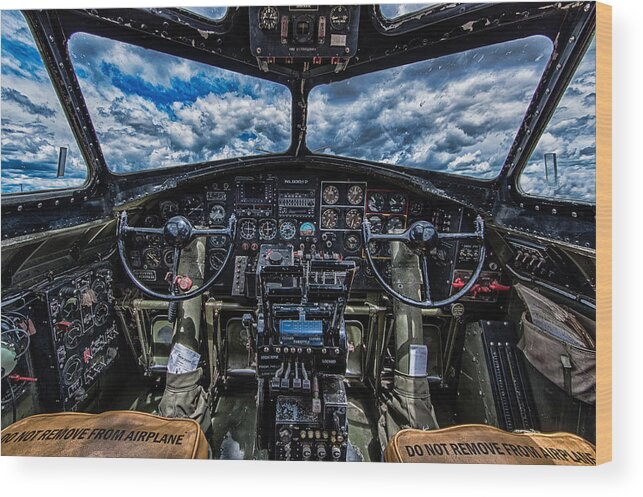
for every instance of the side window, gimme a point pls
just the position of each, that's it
(35, 132)
(563, 164)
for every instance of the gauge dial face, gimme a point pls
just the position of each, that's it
(100, 288)
(287, 230)
(73, 334)
(217, 214)
(101, 314)
(247, 229)
(330, 195)
(193, 208)
(152, 221)
(340, 16)
(376, 202)
(397, 202)
(218, 241)
(70, 307)
(394, 224)
(307, 229)
(268, 229)
(355, 195)
(376, 224)
(416, 207)
(151, 258)
(72, 370)
(268, 18)
(329, 219)
(351, 242)
(168, 258)
(169, 208)
(217, 258)
(353, 219)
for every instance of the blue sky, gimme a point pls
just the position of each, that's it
(457, 114)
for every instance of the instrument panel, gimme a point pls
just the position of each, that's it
(313, 213)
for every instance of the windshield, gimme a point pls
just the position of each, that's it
(458, 114)
(153, 110)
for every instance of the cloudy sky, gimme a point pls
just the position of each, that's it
(571, 135)
(456, 114)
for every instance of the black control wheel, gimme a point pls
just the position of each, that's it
(421, 237)
(177, 232)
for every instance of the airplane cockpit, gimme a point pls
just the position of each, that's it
(306, 228)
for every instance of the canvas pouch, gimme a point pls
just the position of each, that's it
(563, 356)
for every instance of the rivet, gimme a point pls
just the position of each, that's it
(39, 205)
(574, 214)
(554, 211)
(19, 208)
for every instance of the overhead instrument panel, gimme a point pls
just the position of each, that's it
(319, 33)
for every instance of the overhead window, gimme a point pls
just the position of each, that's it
(153, 110)
(457, 114)
(563, 164)
(211, 13)
(35, 132)
(394, 10)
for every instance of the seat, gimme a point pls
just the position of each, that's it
(110, 434)
(482, 444)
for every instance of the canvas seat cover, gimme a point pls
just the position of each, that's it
(482, 444)
(109, 434)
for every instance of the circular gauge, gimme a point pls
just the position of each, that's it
(72, 370)
(72, 335)
(394, 224)
(374, 248)
(193, 208)
(70, 307)
(376, 202)
(268, 18)
(287, 230)
(397, 202)
(168, 258)
(353, 219)
(100, 288)
(101, 314)
(217, 258)
(268, 229)
(376, 224)
(247, 229)
(330, 195)
(307, 229)
(152, 221)
(169, 209)
(151, 258)
(340, 16)
(351, 242)
(217, 241)
(416, 207)
(217, 214)
(329, 219)
(355, 195)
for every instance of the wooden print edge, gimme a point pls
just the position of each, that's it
(604, 233)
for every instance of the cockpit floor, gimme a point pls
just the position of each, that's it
(233, 432)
